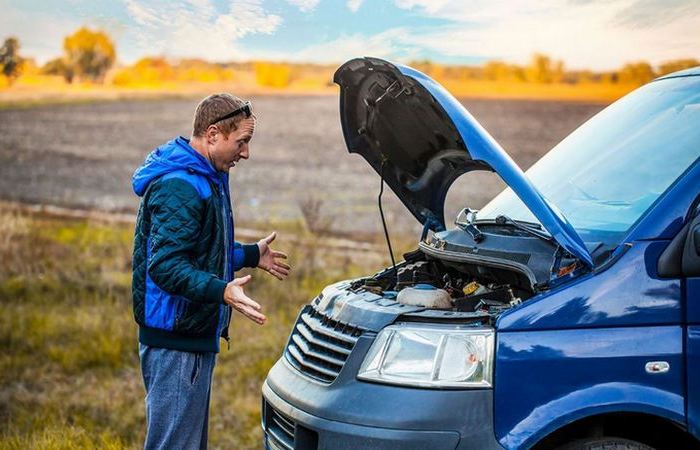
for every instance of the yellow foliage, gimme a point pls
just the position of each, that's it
(153, 72)
(276, 75)
(29, 67)
(146, 71)
(678, 64)
(203, 72)
(497, 70)
(636, 73)
(38, 81)
(89, 53)
(542, 77)
(543, 70)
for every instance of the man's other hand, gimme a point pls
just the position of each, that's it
(271, 260)
(235, 296)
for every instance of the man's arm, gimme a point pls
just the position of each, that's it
(245, 255)
(176, 219)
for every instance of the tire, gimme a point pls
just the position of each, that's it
(605, 443)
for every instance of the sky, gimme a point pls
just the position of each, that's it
(585, 34)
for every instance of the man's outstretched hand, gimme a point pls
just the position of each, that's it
(271, 260)
(235, 296)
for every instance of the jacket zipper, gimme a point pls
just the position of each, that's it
(225, 271)
(228, 220)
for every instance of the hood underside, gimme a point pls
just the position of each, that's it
(419, 138)
(404, 134)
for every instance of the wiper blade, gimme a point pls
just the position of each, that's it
(528, 227)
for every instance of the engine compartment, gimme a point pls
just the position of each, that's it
(486, 278)
(470, 288)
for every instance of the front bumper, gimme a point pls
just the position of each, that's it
(302, 414)
(316, 433)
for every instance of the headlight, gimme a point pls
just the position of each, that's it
(430, 356)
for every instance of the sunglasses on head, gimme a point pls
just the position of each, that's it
(245, 109)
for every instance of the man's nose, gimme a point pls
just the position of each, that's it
(245, 153)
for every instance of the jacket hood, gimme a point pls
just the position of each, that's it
(176, 154)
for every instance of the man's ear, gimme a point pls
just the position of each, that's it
(212, 134)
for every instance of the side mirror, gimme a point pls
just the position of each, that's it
(691, 251)
(682, 256)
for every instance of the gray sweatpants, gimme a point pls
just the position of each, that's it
(178, 387)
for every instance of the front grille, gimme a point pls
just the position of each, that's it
(280, 431)
(319, 346)
(284, 433)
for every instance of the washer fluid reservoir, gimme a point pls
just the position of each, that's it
(425, 295)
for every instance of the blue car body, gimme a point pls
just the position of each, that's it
(578, 356)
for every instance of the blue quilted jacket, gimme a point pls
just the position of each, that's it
(184, 252)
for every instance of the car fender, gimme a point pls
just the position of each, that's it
(592, 401)
(546, 379)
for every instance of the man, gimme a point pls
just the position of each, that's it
(183, 266)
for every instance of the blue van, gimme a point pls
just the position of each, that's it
(563, 314)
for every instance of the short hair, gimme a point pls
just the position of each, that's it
(214, 106)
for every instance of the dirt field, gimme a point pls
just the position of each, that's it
(83, 155)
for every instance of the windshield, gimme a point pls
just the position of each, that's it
(609, 171)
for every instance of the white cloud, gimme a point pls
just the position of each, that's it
(429, 6)
(44, 45)
(304, 5)
(597, 34)
(197, 29)
(354, 5)
(389, 44)
(592, 34)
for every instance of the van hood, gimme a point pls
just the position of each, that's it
(420, 139)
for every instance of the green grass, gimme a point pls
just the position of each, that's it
(69, 369)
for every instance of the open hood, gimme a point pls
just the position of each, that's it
(419, 138)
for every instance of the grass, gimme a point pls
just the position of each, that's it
(27, 95)
(69, 370)
(579, 92)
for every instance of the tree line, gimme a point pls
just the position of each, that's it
(88, 55)
(543, 69)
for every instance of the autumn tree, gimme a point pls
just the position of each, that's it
(276, 75)
(496, 70)
(636, 73)
(676, 65)
(543, 70)
(145, 71)
(500, 71)
(10, 61)
(58, 66)
(89, 53)
(538, 69)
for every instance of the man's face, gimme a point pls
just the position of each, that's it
(225, 152)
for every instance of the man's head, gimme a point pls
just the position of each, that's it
(223, 141)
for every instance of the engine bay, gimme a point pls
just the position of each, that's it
(435, 284)
(448, 271)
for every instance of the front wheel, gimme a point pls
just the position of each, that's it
(605, 443)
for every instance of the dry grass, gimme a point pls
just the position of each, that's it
(69, 371)
(503, 89)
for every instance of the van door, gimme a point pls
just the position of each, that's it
(693, 353)
(691, 270)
